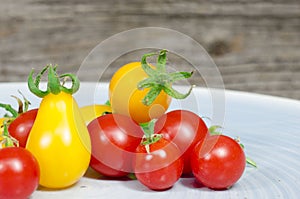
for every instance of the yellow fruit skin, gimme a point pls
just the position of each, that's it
(91, 112)
(60, 141)
(126, 98)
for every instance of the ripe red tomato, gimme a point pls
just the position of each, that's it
(19, 173)
(160, 167)
(185, 129)
(21, 126)
(114, 138)
(218, 162)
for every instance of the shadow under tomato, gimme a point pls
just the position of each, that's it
(137, 186)
(92, 174)
(191, 182)
(42, 188)
(187, 175)
(195, 184)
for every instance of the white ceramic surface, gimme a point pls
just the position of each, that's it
(269, 127)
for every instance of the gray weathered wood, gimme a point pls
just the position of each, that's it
(255, 44)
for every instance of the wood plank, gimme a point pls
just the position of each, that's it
(255, 44)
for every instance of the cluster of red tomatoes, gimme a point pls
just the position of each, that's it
(19, 169)
(142, 137)
(180, 145)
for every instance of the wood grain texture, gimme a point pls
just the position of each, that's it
(255, 44)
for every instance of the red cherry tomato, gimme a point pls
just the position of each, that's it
(19, 173)
(185, 129)
(21, 126)
(160, 167)
(218, 162)
(114, 139)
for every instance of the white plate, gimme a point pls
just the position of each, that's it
(269, 127)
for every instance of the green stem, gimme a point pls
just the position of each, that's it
(10, 109)
(53, 81)
(39, 76)
(175, 94)
(159, 80)
(33, 85)
(180, 76)
(251, 162)
(213, 130)
(75, 83)
(151, 96)
(150, 72)
(161, 61)
(25, 103)
(54, 85)
(248, 160)
(148, 129)
(22, 108)
(7, 139)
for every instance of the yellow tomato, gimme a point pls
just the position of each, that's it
(1, 123)
(126, 98)
(3, 138)
(1, 131)
(90, 112)
(59, 138)
(60, 141)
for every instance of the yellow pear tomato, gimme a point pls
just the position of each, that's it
(142, 91)
(59, 138)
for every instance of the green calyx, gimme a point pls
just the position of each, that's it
(13, 113)
(54, 85)
(149, 136)
(6, 140)
(159, 80)
(10, 109)
(214, 130)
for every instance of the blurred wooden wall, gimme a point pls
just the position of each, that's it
(255, 44)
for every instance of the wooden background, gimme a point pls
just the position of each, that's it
(254, 43)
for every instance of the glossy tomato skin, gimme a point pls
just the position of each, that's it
(161, 168)
(126, 98)
(19, 173)
(90, 112)
(21, 126)
(114, 138)
(60, 141)
(218, 162)
(185, 129)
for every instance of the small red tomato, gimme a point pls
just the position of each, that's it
(21, 126)
(218, 162)
(114, 138)
(19, 173)
(185, 129)
(160, 167)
